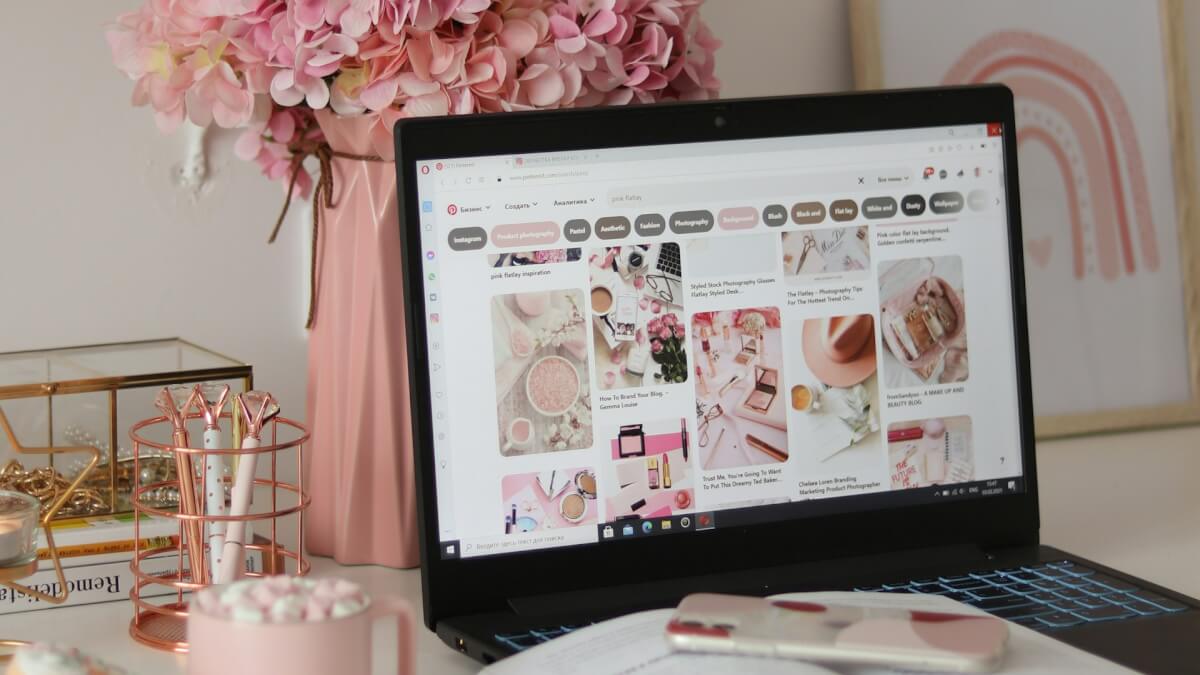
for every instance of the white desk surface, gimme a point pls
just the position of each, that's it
(1129, 501)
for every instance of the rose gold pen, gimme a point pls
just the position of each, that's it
(210, 399)
(174, 402)
(257, 408)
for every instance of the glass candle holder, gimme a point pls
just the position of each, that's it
(19, 515)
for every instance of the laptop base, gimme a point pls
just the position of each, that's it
(1162, 643)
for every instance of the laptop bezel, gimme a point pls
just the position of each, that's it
(454, 587)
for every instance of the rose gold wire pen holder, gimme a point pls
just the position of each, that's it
(161, 621)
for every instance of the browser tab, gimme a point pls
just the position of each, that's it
(691, 222)
(650, 225)
(613, 227)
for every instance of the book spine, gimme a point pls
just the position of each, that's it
(83, 531)
(106, 547)
(102, 582)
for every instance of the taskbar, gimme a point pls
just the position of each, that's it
(635, 526)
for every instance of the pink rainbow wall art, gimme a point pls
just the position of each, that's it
(1069, 105)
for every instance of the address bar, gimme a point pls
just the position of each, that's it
(759, 188)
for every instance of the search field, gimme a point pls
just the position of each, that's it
(749, 189)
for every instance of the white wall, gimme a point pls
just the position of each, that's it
(98, 244)
(781, 46)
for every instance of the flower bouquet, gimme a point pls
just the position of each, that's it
(267, 65)
(666, 348)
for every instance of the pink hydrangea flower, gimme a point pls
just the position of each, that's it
(216, 93)
(212, 61)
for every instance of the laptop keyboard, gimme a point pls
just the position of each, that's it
(527, 639)
(669, 259)
(1043, 597)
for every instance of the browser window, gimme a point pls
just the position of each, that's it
(656, 340)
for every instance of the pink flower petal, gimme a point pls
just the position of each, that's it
(573, 83)
(562, 28)
(283, 89)
(248, 145)
(282, 126)
(317, 96)
(546, 90)
(430, 105)
(381, 94)
(572, 45)
(600, 23)
(518, 37)
(638, 75)
(355, 23)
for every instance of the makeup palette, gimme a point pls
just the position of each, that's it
(631, 441)
(763, 403)
(585, 484)
(573, 507)
(762, 396)
(749, 350)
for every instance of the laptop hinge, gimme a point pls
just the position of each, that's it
(809, 576)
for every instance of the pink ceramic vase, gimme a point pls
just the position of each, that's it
(359, 467)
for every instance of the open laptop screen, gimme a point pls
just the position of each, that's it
(648, 341)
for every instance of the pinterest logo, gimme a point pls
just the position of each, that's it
(452, 209)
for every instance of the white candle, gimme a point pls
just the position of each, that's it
(18, 523)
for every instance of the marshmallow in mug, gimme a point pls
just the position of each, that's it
(282, 599)
(53, 659)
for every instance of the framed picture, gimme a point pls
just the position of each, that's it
(1109, 211)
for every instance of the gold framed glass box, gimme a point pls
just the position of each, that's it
(90, 396)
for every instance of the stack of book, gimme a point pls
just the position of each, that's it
(96, 553)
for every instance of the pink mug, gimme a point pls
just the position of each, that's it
(219, 646)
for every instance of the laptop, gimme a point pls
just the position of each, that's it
(847, 406)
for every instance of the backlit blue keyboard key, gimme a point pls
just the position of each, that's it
(1059, 620)
(1159, 601)
(1044, 597)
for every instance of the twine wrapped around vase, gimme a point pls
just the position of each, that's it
(322, 197)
